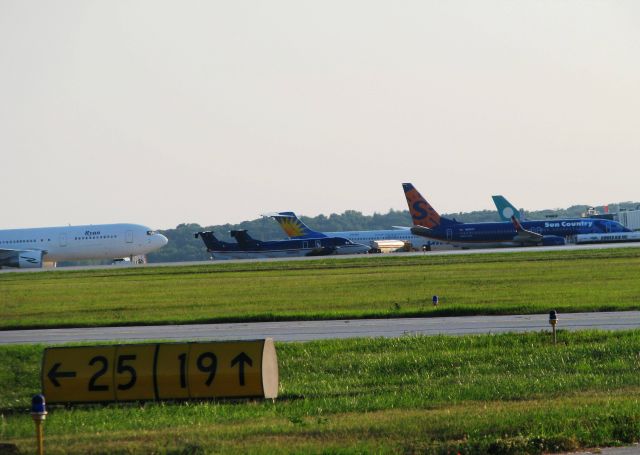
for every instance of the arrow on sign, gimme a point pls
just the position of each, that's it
(54, 374)
(241, 359)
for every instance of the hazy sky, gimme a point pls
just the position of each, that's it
(211, 112)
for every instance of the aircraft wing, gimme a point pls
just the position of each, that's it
(423, 231)
(523, 235)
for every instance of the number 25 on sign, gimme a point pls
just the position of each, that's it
(160, 371)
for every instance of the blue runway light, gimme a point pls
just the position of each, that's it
(38, 405)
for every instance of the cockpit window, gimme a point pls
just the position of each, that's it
(152, 232)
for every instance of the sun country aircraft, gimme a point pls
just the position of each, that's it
(378, 240)
(567, 227)
(613, 235)
(246, 247)
(30, 248)
(429, 223)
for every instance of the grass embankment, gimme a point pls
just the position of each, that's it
(505, 283)
(473, 394)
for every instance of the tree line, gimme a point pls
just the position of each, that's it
(183, 246)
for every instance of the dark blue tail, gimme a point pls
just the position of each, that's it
(243, 237)
(210, 240)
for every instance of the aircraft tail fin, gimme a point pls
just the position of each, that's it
(421, 211)
(243, 238)
(210, 240)
(506, 209)
(293, 226)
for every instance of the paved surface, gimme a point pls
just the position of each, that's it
(630, 450)
(315, 330)
(598, 246)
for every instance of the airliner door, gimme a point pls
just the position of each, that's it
(449, 234)
(129, 236)
(63, 239)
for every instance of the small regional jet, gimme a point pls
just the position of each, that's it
(246, 247)
(429, 223)
(30, 248)
(378, 240)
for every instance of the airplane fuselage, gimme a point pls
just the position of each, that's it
(72, 243)
(249, 248)
(479, 235)
(404, 235)
(290, 248)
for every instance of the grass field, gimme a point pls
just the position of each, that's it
(501, 283)
(472, 394)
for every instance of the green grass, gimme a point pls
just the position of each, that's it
(501, 283)
(474, 394)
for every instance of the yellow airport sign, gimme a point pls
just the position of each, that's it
(78, 374)
(133, 375)
(171, 371)
(214, 368)
(160, 371)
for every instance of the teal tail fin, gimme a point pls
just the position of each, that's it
(506, 209)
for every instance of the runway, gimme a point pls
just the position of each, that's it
(317, 330)
(448, 252)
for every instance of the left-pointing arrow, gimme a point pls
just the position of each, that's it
(54, 374)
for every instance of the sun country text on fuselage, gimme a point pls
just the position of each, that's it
(429, 223)
(31, 247)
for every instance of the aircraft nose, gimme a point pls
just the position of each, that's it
(162, 239)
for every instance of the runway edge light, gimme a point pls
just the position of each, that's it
(553, 321)
(38, 414)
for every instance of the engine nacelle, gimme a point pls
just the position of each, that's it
(553, 240)
(25, 260)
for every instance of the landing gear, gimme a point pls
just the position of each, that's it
(140, 259)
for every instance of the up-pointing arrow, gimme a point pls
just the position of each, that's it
(241, 359)
(54, 374)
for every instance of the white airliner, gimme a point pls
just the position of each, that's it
(30, 248)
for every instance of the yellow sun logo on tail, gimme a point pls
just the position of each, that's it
(291, 226)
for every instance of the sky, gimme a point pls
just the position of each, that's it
(211, 112)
